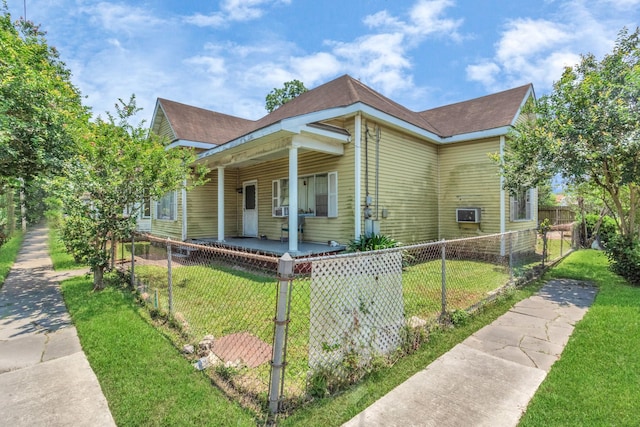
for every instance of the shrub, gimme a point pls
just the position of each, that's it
(624, 257)
(372, 243)
(608, 227)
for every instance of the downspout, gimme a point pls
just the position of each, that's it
(503, 207)
(357, 209)
(184, 210)
(377, 170)
(220, 203)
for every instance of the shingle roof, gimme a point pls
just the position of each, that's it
(484, 113)
(200, 125)
(488, 112)
(342, 92)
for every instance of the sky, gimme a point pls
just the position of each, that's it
(227, 55)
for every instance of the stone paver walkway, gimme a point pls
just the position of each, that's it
(488, 379)
(45, 378)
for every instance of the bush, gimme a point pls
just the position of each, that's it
(372, 243)
(608, 227)
(624, 257)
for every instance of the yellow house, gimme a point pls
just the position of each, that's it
(341, 161)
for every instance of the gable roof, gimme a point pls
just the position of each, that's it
(487, 112)
(342, 92)
(199, 125)
(481, 114)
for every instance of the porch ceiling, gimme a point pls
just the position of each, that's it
(276, 146)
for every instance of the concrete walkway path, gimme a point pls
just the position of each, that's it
(488, 379)
(45, 378)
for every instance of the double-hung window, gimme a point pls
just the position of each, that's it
(317, 195)
(166, 207)
(521, 205)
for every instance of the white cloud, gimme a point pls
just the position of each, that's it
(484, 73)
(200, 20)
(316, 68)
(538, 50)
(211, 65)
(120, 18)
(233, 11)
(526, 37)
(427, 18)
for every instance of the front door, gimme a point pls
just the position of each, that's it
(250, 209)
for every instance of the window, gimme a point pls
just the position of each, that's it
(317, 195)
(521, 205)
(145, 212)
(166, 207)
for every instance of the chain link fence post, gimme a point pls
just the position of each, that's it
(444, 279)
(511, 257)
(285, 277)
(561, 242)
(133, 259)
(169, 276)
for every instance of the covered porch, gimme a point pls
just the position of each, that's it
(255, 171)
(271, 247)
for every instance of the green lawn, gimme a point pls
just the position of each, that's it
(146, 381)
(60, 258)
(597, 379)
(223, 300)
(8, 254)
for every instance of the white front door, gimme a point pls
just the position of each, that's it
(250, 209)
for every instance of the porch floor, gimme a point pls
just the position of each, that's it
(273, 247)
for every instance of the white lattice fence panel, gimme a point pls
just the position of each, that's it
(356, 307)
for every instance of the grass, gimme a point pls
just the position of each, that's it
(597, 379)
(596, 382)
(144, 378)
(221, 300)
(8, 254)
(336, 410)
(61, 259)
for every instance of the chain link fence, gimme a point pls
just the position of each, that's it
(219, 304)
(277, 331)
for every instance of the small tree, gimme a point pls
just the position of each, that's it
(279, 97)
(118, 166)
(587, 130)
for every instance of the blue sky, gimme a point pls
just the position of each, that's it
(227, 55)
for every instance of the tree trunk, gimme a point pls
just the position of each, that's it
(23, 207)
(98, 278)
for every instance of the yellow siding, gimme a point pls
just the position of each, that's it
(202, 207)
(408, 178)
(420, 186)
(469, 179)
(317, 229)
(165, 130)
(168, 228)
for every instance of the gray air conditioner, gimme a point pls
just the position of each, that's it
(468, 215)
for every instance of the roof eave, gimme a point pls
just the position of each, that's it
(189, 144)
(525, 98)
(155, 114)
(473, 136)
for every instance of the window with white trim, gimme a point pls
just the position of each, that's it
(167, 206)
(317, 195)
(521, 205)
(145, 212)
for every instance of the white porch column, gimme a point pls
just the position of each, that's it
(503, 207)
(293, 199)
(220, 203)
(357, 194)
(184, 210)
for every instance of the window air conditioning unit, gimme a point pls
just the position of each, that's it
(468, 215)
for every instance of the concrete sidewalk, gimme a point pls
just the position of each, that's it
(488, 379)
(45, 378)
